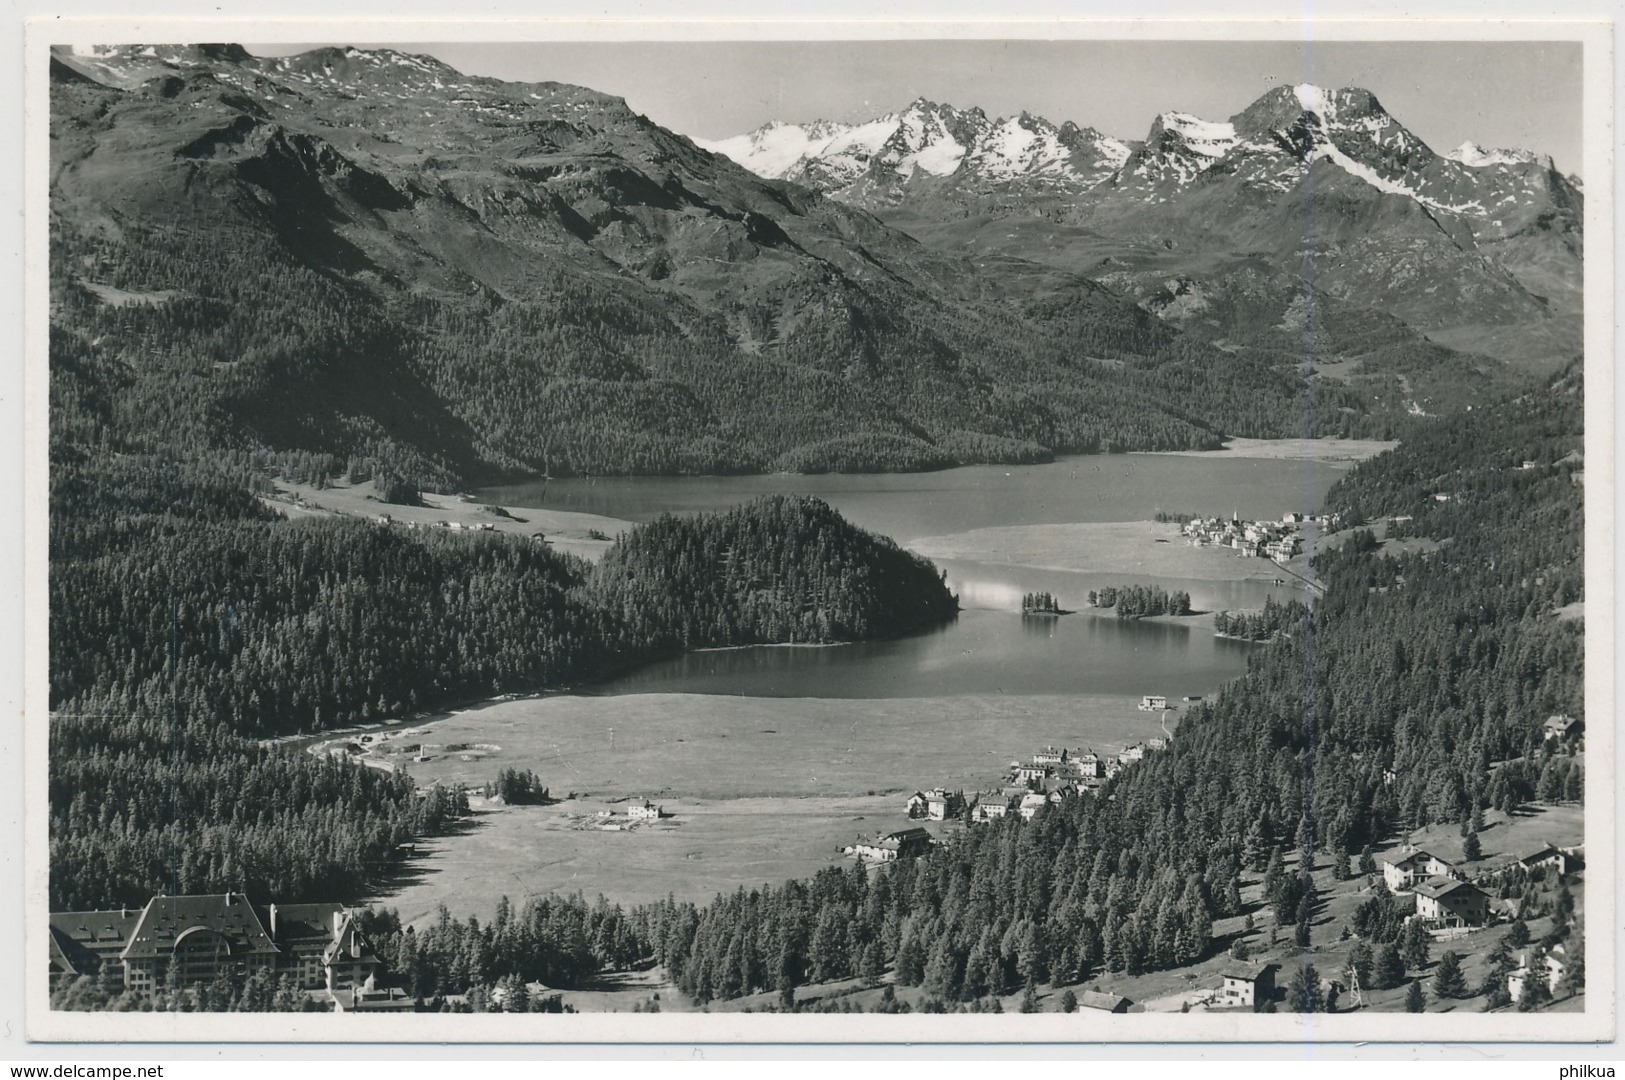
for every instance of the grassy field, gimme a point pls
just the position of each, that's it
(564, 529)
(719, 747)
(762, 789)
(706, 846)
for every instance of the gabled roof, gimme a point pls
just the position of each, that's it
(1094, 999)
(1413, 856)
(1441, 887)
(166, 919)
(1238, 969)
(916, 833)
(344, 941)
(1539, 853)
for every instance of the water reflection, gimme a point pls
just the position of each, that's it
(980, 652)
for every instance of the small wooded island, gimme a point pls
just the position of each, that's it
(1140, 601)
(1041, 603)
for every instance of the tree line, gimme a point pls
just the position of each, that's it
(1141, 601)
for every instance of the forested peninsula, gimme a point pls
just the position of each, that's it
(236, 625)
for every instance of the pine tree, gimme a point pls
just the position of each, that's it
(1415, 945)
(1415, 999)
(1471, 849)
(1448, 979)
(1388, 969)
(1303, 994)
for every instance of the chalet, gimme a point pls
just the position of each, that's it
(940, 804)
(1156, 742)
(903, 844)
(644, 810)
(1546, 858)
(1153, 703)
(1410, 867)
(990, 806)
(1112, 1003)
(1087, 763)
(1030, 804)
(1246, 986)
(1131, 754)
(1562, 728)
(916, 805)
(1448, 902)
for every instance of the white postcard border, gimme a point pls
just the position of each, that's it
(1597, 1023)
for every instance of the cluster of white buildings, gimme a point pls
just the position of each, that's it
(1275, 540)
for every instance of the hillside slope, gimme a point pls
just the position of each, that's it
(368, 255)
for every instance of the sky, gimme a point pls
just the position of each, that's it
(1498, 94)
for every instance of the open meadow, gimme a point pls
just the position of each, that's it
(760, 789)
(718, 747)
(704, 847)
(586, 535)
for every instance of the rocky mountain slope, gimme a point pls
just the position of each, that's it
(1476, 249)
(365, 256)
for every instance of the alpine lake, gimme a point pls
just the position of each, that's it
(769, 760)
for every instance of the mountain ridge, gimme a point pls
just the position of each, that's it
(362, 256)
(1505, 227)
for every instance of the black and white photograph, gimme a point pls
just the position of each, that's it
(958, 534)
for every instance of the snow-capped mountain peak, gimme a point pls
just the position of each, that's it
(1315, 100)
(930, 140)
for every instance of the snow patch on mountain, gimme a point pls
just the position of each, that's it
(1315, 100)
(938, 157)
(778, 150)
(1209, 138)
(1470, 153)
(1329, 152)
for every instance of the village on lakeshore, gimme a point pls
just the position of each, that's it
(1277, 541)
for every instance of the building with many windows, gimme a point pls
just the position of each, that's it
(184, 940)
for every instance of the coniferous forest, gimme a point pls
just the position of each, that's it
(1411, 693)
(234, 625)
